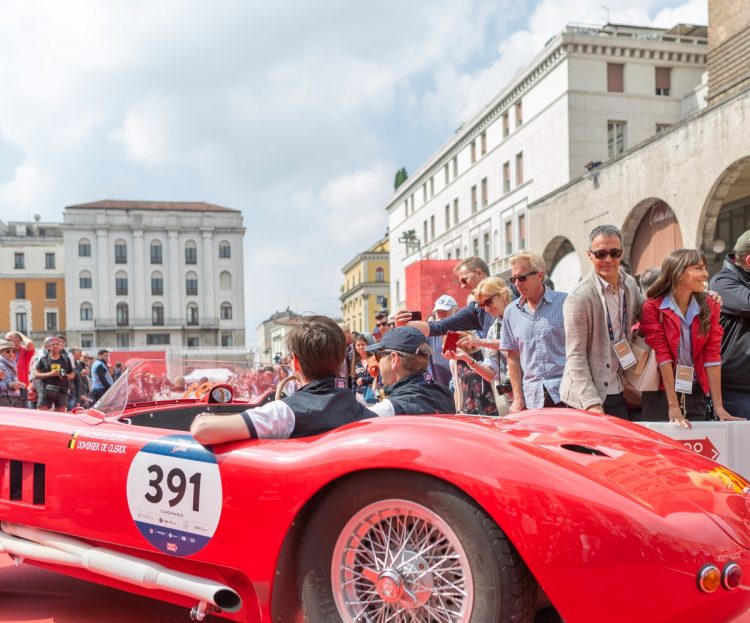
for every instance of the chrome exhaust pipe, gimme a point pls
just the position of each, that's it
(50, 547)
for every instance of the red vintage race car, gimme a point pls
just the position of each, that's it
(558, 515)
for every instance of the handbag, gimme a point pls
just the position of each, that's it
(644, 375)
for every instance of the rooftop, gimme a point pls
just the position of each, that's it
(161, 206)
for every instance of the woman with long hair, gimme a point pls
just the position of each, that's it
(477, 373)
(682, 325)
(360, 372)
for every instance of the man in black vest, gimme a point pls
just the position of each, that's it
(322, 403)
(404, 355)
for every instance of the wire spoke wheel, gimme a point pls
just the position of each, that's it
(396, 561)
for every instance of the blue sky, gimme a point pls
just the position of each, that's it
(297, 113)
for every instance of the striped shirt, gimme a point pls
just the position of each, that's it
(539, 338)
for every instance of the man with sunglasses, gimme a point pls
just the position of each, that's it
(404, 355)
(599, 313)
(533, 334)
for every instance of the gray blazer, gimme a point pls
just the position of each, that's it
(587, 347)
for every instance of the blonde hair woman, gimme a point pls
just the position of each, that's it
(475, 377)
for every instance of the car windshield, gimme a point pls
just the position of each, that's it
(158, 380)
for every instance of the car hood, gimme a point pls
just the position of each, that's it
(650, 468)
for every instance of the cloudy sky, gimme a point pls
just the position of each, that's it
(297, 113)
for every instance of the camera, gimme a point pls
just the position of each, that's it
(504, 387)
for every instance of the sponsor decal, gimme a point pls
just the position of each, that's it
(704, 447)
(97, 441)
(174, 494)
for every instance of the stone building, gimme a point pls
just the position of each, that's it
(154, 274)
(364, 293)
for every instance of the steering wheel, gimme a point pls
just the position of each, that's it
(282, 384)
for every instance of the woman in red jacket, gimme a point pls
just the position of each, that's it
(682, 325)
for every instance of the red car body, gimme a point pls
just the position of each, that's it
(614, 521)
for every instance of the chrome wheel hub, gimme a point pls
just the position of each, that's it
(398, 561)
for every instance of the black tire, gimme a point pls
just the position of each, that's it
(502, 588)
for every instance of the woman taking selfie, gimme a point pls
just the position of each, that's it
(681, 324)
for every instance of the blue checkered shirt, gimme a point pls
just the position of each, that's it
(539, 339)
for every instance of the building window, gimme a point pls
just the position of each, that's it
(50, 290)
(379, 274)
(424, 193)
(615, 83)
(193, 341)
(225, 311)
(157, 338)
(519, 168)
(87, 311)
(84, 248)
(49, 260)
(123, 318)
(455, 167)
(192, 314)
(20, 290)
(615, 138)
(20, 261)
(508, 237)
(22, 324)
(447, 217)
(473, 149)
(432, 227)
(191, 284)
(506, 177)
(424, 231)
(121, 252)
(432, 186)
(225, 250)
(519, 114)
(486, 246)
(522, 231)
(51, 318)
(84, 280)
(156, 257)
(121, 284)
(446, 175)
(87, 340)
(475, 247)
(191, 252)
(474, 199)
(483, 143)
(506, 124)
(225, 280)
(485, 194)
(663, 80)
(123, 340)
(227, 340)
(455, 211)
(157, 284)
(157, 314)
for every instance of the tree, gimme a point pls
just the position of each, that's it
(401, 177)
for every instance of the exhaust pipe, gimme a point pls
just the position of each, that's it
(50, 547)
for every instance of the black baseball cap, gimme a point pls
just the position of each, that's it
(403, 339)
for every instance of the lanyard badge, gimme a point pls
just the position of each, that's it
(683, 379)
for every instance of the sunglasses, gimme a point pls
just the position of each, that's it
(523, 278)
(486, 302)
(383, 353)
(600, 254)
(465, 280)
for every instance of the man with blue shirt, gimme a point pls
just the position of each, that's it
(533, 334)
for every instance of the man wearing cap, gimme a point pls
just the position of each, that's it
(404, 354)
(10, 386)
(440, 367)
(732, 283)
(24, 353)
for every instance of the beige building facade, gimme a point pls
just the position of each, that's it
(364, 293)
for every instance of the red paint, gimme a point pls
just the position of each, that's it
(643, 517)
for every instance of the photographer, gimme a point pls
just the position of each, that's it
(55, 372)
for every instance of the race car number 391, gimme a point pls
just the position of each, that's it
(174, 494)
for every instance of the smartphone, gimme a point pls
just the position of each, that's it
(450, 340)
(416, 315)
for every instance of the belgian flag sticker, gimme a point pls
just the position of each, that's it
(73, 439)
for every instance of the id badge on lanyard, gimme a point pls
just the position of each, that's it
(622, 348)
(624, 354)
(683, 379)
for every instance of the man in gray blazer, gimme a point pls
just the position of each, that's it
(598, 314)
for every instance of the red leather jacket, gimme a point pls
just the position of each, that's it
(664, 337)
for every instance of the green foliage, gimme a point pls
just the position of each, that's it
(401, 177)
